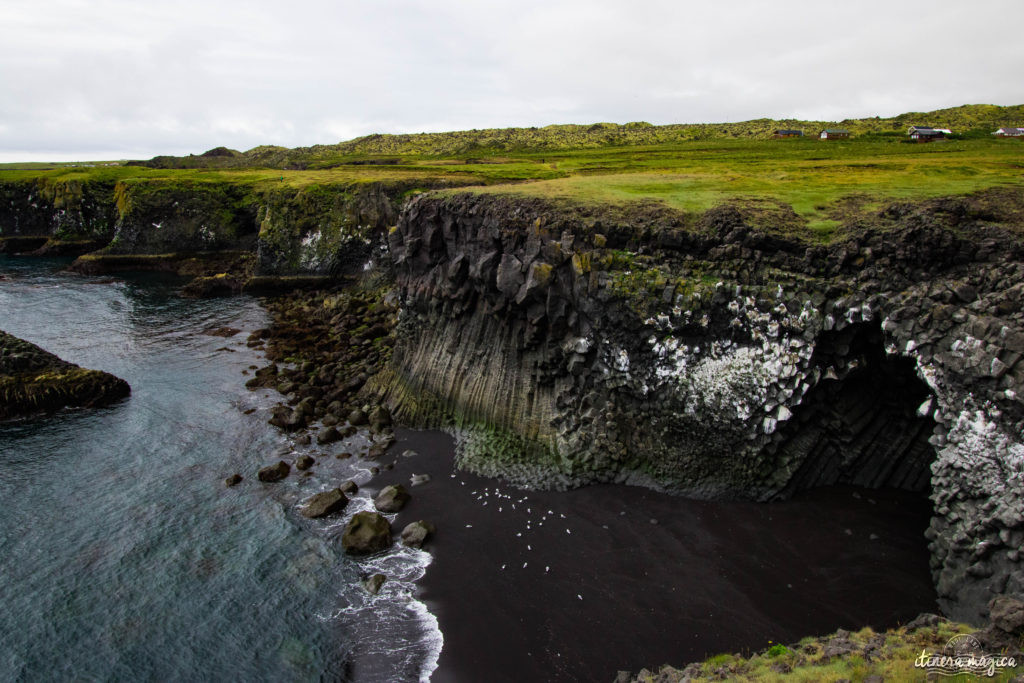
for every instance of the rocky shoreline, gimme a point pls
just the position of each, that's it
(35, 381)
(726, 355)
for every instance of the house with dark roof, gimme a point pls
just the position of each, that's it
(927, 133)
(834, 134)
(782, 133)
(1009, 132)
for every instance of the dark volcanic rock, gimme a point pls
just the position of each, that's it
(328, 435)
(366, 533)
(349, 487)
(416, 533)
(275, 472)
(1007, 614)
(326, 503)
(392, 498)
(304, 462)
(729, 357)
(233, 480)
(34, 381)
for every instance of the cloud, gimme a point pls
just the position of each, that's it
(110, 78)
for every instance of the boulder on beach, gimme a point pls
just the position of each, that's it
(357, 418)
(367, 532)
(328, 435)
(416, 533)
(349, 487)
(275, 472)
(304, 462)
(233, 480)
(326, 503)
(419, 479)
(391, 498)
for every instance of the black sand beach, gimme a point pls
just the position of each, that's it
(545, 586)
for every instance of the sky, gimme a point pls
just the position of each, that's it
(116, 79)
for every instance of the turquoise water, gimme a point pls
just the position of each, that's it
(122, 554)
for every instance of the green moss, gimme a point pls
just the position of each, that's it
(806, 660)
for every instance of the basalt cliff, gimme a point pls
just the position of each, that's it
(718, 355)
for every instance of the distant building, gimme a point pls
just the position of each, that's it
(788, 134)
(927, 134)
(834, 134)
(1008, 132)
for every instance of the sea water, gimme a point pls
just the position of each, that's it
(123, 556)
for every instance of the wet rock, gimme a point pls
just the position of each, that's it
(373, 584)
(391, 498)
(326, 503)
(357, 418)
(419, 479)
(233, 480)
(288, 420)
(415, 534)
(379, 418)
(275, 472)
(409, 454)
(328, 435)
(303, 440)
(366, 533)
(349, 487)
(304, 462)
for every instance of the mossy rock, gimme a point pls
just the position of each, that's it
(35, 381)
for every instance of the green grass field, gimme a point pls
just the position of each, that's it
(618, 165)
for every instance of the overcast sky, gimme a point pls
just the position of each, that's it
(109, 79)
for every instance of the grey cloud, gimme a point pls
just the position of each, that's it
(110, 79)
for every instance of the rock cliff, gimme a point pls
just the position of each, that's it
(322, 228)
(723, 356)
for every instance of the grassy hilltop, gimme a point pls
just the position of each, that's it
(687, 166)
